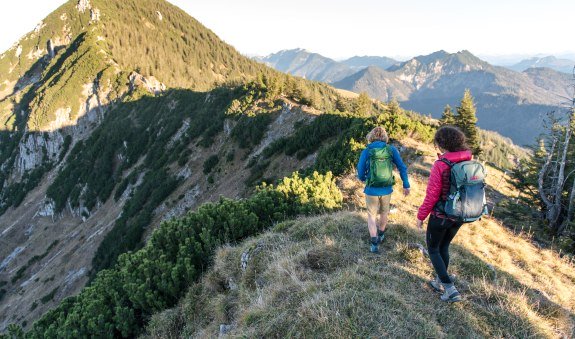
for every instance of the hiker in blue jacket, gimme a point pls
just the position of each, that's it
(375, 168)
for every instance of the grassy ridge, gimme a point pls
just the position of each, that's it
(314, 277)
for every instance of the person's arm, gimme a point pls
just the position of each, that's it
(401, 167)
(362, 165)
(433, 192)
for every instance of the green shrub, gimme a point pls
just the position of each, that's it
(121, 299)
(48, 297)
(210, 163)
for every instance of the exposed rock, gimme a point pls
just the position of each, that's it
(50, 48)
(229, 125)
(189, 199)
(248, 253)
(11, 257)
(74, 275)
(151, 84)
(94, 14)
(83, 6)
(39, 27)
(179, 133)
(232, 285)
(160, 17)
(419, 247)
(36, 148)
(64, 17)
(19, 51)
(184, 173)
(35, 53)
(225, 329)
(48, 209)
(29, 230)
(281, 127)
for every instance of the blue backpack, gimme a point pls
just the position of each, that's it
(466, 201)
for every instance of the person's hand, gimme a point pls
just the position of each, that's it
(419, 224)
(406, 191)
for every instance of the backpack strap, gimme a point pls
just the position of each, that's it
(440, 205)
(447, 162)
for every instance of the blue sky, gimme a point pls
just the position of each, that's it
(341, 29)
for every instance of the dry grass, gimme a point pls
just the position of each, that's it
(314, 277)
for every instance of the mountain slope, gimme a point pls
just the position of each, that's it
(311, 66)
(560, 65)
(376, 82)
(97, 147)
(314, 277)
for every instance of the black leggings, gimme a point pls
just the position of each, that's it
(440, 232)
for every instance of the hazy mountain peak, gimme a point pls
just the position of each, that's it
(560, 65)
(358, 62)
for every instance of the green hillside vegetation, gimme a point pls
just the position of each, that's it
(120, 300)
(500, 151)
(14, 68)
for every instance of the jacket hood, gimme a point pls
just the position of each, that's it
(456, 156)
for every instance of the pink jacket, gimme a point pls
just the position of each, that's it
(438, 184)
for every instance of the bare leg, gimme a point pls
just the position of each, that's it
(371, 225)
(382, 221)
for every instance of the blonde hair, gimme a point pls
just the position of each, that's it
(377, 133)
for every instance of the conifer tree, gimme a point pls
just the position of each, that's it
(362, 104)
(393, 106)
(466, 120)
(447, 118)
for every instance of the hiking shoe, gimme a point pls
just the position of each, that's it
(436, 284)
(451, 294)
(381, 237)
(374, 248)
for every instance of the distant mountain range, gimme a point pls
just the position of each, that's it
(561, 65)
(314, 66)
(429, 82)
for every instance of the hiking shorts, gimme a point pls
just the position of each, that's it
(377, 204)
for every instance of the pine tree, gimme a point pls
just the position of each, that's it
(362, 104)
(447, 118)
(466, 120)
(393, 106)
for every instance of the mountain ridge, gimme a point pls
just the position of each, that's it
(557, 64)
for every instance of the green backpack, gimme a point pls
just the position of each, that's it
(380, 167)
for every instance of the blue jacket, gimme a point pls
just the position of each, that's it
(363, 169)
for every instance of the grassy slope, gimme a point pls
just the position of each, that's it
(315, 277)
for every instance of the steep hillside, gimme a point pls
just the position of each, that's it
(311, 66)
(376, 82)
(314, 277)
(560, 65)
(97, 146)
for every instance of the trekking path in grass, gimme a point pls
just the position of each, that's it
(315, 277)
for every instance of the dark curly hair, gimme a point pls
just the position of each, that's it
(451, 139)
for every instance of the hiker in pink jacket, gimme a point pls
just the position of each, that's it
(440, 229)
